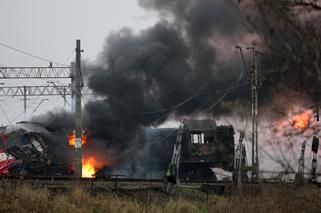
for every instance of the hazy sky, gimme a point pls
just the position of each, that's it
(49, 28)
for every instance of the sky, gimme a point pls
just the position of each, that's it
(49, 29)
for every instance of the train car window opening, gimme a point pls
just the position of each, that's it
(197, 138)
(25, 140)
(209, 138)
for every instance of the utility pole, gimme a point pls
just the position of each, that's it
(299, 178)
(254, 103)
(240, 159)
(73, 86)
(314, 149)
(78, 128)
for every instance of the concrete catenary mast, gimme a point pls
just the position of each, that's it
(254, 102)
(78, 128)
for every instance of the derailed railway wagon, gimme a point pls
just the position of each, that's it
(29, 148)
(204, 146)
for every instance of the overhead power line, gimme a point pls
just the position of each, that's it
(147, 145)
(234, 85)
(24, 111)
(42, 100)
(30, 54)
(229, 90)
(206, 110)
(69, 57)
(58, 71)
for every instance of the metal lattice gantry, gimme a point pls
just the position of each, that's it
(35, 91)
(34, 72)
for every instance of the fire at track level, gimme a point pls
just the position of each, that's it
(88, 163)
(88, 168)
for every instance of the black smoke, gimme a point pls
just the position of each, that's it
(140, 77)
(176, 68)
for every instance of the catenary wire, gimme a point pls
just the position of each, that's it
(30, 54)
(157, 141)
(228, 91)
(32, 102)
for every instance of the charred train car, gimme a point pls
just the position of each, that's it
(29, 148)
(204, 146)
(36, 149)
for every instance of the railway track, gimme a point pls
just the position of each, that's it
(119, 183)
(113, 178)
(118, 178)
(103, 183)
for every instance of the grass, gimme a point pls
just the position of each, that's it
(27, 198)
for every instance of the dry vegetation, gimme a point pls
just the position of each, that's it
(26, 198)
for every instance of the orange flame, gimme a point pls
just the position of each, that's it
(88, 167)
(72, 138)
(302, 120)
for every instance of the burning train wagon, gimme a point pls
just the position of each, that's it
(33, 149)
(204, 146)
(36, 149)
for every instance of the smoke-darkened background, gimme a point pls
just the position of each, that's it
(141, 76)
(187, 62)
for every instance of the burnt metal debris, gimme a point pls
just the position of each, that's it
(29, 149)
(204, 146)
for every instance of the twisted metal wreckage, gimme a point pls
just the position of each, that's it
(35, 149)
(27, 149)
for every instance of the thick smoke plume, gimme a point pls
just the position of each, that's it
(184, 64)
(142, 76)
(176, 68)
